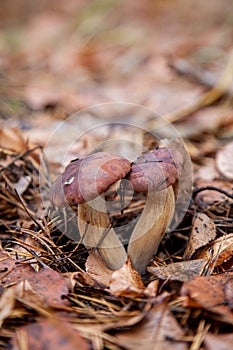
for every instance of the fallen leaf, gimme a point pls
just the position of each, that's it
(49, 334)
(218, 342)
(7, 303)
(221, 250)
(209, 293)
(123, 282)
(27, 296)
(152, 288)
(11, 272)
(224, 160)
(13, 139)
(157, 331)
(126, 281)
(97, 269)
(50, 285)
(183, 271)
(73, 277)
(229, 293)
(203, 232)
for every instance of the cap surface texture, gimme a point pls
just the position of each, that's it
(156, 170)
(86, 178)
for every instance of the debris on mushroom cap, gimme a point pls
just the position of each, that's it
(57, 192)
(84, 179)
(156, 170)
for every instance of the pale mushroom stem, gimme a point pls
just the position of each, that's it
(151, 227)
(108, 244)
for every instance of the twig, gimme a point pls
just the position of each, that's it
(27, 211)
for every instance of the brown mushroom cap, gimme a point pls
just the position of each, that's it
(84, 179)
(156, 170)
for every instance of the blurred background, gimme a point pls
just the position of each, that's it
(58, 57)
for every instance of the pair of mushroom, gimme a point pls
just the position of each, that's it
(84, 183)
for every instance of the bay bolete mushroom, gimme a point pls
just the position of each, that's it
(153, 173)
(83, 183)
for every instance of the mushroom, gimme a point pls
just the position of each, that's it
(153, 173)
(83, 183)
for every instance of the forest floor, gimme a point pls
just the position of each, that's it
(84, 75)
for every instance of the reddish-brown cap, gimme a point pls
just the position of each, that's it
(84, 179)
(156, 170)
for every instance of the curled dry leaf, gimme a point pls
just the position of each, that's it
(49, 334)
(203, 232)
(80, 278)
(123, 282)
(97, 270)
(209, 293)
(126, 281)
(224, 161)
(182, 271)
(221, 250)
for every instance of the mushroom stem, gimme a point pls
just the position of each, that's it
(151, 227)
(100, 234)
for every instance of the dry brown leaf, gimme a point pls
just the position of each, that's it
(209, 293)
(203, 232)
(218, 342)
(39, 281)
(11, 272)
(157, 331)
(50, 285)
(29, 297)
(221, 250)
(80, 277)
(152, 288)
(229, 293)
(97, 269)
(126, 281)
(182, 271)
(224, 160)
(7, 303)
(49, 334)
(13, 139)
